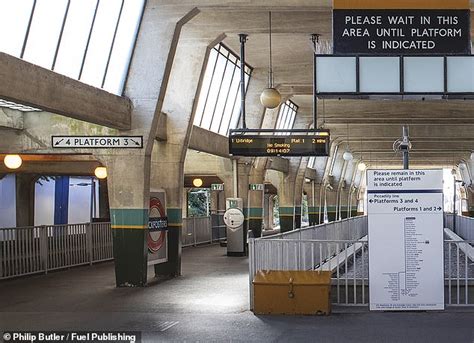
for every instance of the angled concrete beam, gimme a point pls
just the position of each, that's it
(162, 131)
(32, 85)
(278, 164)
(11, 119)
(210, 142)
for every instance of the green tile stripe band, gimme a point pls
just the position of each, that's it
(253, 213)
(287, 211)
(313, 210)
(175, 217)
(297, 210)
(130, 218)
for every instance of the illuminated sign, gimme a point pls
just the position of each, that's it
(402, 27)
(313, 144)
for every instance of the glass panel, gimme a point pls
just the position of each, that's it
(230, 103)
(235, 121)
(224, 84)
(336, 74)
(460, 74)
(7, 201)
(14, 17)
(379, 74)
(214, 92)
(76, 32)
(218, 106)
(206, 84)
(224, 97)
(44, 32)
(424, 74)
(80, 200)
(44, 201)
(123, 46)
(100, 43)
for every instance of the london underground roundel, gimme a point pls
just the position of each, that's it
(155, 239)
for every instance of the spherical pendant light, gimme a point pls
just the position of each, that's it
(347, 156)
(100, 173)
(362, 166)
(270, 98)
(12, 161)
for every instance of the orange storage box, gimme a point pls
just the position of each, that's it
(292, 292)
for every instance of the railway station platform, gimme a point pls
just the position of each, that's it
(208, 303)
(164, 161)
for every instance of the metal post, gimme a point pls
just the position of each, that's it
(454, 204)
(89, 243)
(315, 40)
(235, 179)
(406, 151)
(243, 40)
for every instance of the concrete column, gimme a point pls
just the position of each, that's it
(129, 174)
(470, 201)
(128, 183)
(255, 205)
(243, 166)
(25, 199)
(286, 195)
(104, 207)
(299, 183)
(312, 195)
(169, 156)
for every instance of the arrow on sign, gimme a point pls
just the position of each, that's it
(136, 143)
(59, 142)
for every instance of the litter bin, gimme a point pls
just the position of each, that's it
(292, 292)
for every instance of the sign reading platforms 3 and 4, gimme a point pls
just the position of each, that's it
(97, 142)
(405, 216)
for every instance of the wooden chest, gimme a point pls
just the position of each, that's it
(292, 292)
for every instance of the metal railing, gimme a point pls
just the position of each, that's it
(464, 225)
(342, 248)
(202, 230)
(458, 273)
(324, 247)
(39, 249)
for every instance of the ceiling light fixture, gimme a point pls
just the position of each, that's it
(270, 97)
(13, 161)
(197, 182)
(100, 173)
(362, 166)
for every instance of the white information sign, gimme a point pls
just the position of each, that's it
(405, 210)
(97, 142)
(234, 218)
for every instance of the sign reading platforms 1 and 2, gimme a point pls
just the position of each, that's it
(402, 27)
(405, 216)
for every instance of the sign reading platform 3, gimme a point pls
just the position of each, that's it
(402, 27)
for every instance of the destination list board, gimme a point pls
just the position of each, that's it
(315, 144)
(397, 31)
(405, 218)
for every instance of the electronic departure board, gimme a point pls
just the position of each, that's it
(314, 143)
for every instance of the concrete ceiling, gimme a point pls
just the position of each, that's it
(441, 130)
